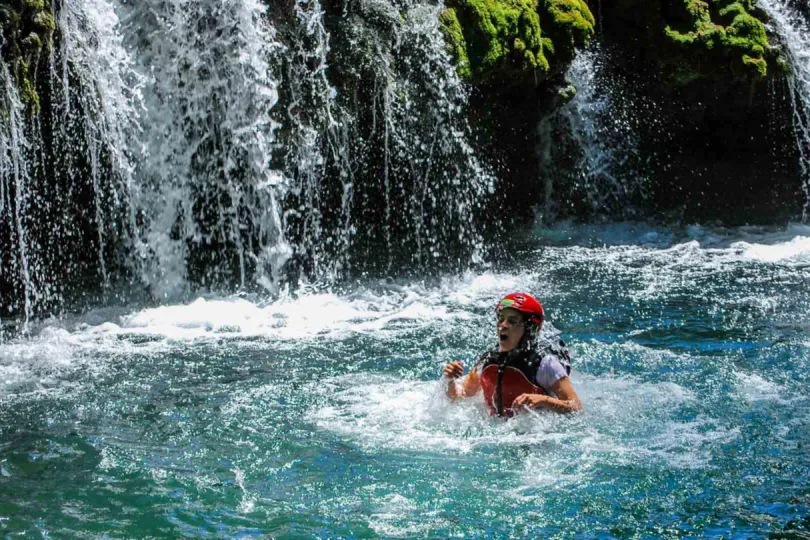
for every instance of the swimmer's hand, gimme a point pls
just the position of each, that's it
(566, 401)
(453, 370)
(531, 401)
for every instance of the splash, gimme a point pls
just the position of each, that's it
(101, 99)
(602, 132)
(68, 168)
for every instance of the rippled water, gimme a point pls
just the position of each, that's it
(322, 414)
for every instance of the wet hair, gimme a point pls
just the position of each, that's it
(531, 330)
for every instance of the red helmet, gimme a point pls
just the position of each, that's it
(524, 303)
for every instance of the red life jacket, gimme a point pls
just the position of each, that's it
(501, 385)
(505, 376)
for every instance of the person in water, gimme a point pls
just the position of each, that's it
(524, 370)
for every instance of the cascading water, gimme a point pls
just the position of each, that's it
(599, 128)
(207, 180)
(387, 143)
(219, 145)
(14, 180)
(317, 144)
(100, 98)
(792, 25)
(67, 166)
(446, 178)
(309, 203)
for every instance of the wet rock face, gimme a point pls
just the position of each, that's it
(720, 138)
(705, 88)
(26, 27)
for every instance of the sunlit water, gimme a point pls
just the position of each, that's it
(322, 414)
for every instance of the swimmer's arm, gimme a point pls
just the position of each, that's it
(566, 402)
(470, 385)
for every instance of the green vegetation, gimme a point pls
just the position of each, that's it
(455, 41)
(504, 40)
(713, 35)
(27, 26)
(523, 42)
(573, 19)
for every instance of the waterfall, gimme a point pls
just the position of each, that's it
(66, 169)
(207, 182)
(15, 178)
(794, 29)
(56, 160)
(600, 127)
(318, 145)
(378, 147)
(450, 184)
(207, 145)
(98, 78)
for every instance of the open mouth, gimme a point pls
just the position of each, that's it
(503, 337)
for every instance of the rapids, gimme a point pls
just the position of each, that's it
(321, 413)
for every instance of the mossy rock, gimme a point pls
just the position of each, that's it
(514, 42)
(27, 27)
(712, 38)
(572, 20)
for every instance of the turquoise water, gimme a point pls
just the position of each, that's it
(322, 414)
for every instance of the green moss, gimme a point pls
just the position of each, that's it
(32, 43)
(566, 93)
(44, 21)
(757, 65)
(782, 65)
(719, 33)
(575, 20)
(489, 38)
(27, 27)
(498, 24)
(8, 16)
(456, 45)
(28, 90)
(698, 9)
(503, 40)
(37, 5)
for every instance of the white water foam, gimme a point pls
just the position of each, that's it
(796, 250)
(384, 311)
(387, 310)
(755, 388)
(317, 315)
(626, 423)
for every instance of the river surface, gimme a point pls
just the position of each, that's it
(322, 414)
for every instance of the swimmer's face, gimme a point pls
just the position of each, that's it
(510, 329)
